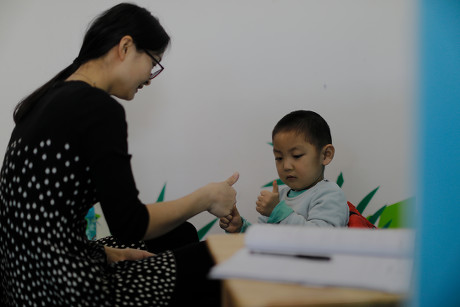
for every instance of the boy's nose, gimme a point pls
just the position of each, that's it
(287, 165)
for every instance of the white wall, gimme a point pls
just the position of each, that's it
(234, 69)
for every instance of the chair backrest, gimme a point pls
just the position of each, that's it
(357, 220)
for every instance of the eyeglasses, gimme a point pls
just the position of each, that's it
(157, 69)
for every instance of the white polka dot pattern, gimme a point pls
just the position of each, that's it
(45, 191)
(157, 274)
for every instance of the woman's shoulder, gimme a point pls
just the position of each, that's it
(79, 89)
(76, 103)
(82, 96)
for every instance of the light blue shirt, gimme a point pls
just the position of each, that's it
(323, 205)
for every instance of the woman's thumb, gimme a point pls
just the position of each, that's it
(232, 179)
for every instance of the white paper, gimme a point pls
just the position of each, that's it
(293, 240)
(378, 273)
(378, 259)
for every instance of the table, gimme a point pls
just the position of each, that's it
(251, 293)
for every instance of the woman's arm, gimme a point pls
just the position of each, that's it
(216, 198)
(103, 131)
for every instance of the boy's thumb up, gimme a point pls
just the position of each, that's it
(232, 179)
(275, 186)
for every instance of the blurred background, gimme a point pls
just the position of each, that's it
(236, 67)
(233, 70)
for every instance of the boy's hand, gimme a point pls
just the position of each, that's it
(267, 200)
(231, 223)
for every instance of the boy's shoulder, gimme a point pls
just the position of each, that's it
(328, 187)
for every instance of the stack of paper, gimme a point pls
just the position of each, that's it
(378, 259)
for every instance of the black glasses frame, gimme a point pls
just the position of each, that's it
(156, 73)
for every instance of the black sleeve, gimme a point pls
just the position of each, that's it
(104, 143)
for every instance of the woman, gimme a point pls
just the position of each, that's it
(68, 151)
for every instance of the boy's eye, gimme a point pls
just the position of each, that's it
(278, 158)
(298, 156)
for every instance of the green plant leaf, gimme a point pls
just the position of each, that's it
(340, 180)
(162, 194)
(387, 225)
(398, 214)
(270, 143)
(363, 203)
(373, 218)
(204, 230)
(270, 184)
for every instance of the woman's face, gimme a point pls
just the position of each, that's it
(135, 72)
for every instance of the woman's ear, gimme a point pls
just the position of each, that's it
(125, 43)
(327, 154)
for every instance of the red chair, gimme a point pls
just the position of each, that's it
(356, 220)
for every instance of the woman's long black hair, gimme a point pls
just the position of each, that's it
(104, 33)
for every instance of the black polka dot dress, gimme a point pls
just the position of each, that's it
(68, 153)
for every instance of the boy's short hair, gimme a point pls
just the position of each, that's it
(310, 124)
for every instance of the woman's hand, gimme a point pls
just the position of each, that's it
(216, 198)
(122, 254)
(222, 196)
(231, 223)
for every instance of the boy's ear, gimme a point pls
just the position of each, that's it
(327, 154)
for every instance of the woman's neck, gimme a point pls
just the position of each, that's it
(93, 73)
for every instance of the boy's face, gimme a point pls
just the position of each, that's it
(299, 163)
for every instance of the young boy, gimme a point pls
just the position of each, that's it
(302, 146)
